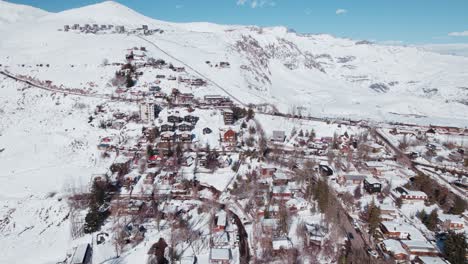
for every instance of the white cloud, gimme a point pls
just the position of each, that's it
(179, 6)
(257, 3)
(341, 11)
(459, 34)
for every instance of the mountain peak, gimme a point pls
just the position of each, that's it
(13, 13)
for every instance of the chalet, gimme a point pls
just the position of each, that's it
(420, 248)
(267, 172)
(83, 255)
(228, 116)
(66, 27)
(185, 137)
(75, 26)
(374, 167)
(144, 27)
(408, 196)
(160, 76)
(167, 127)
(155, 89)
(172, 118)
(372, 185)
(220, 256)
(159, 95)
(179, 69)
(185, 126)
(167, 136)
(191, 119)
(449, 222)
(352, 179)
(278, 136)
(395, 249)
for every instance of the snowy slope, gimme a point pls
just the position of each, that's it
(320, 74)
(12, 13)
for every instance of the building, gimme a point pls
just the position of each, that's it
(148, 112)
(395, 249)
(221, 220)
(371, 185)
(408, 196)
(229, 136)
(352, 179)
(120, 29)
(325, 170)
(420, 248)
(185, 126)
(228, 116)
(429, 260)
(281, 193)
(267, 172)
(281, 245)
(214, 99)
(167, 127)
(220, 255)
(388, 212)
(397, 230)
(449, 222)
(83, 255)
(278, 136)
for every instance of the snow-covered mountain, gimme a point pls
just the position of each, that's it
(47, 144)
(320, 74)
(12, 13)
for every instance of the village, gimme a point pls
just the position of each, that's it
(209, 180)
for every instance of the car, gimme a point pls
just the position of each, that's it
(372, 253)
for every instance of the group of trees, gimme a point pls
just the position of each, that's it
(372, 216)
(98, 211)
(455, 248)
(429, 220)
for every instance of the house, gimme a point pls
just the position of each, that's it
(395, 249)
(220, 239)
(185, 137)
(167, 127)
(449, 222)
(172, 118)
(375, 167)
(408, 196)
(352, 179)
(228, 116)
(83, 255)
(388, 212)
(185, 126)
(191, 119)
(167, 136)
(420, 248)
(267, 172)
(278, 136)
(372, 185)
(120, 29)
(229, 136)
(281, 193)
(280, 179)
(400, 230)
(315, 234)
(221, 220)
(281, 245)
(220, 255)
(184, 99)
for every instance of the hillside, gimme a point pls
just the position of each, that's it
(12, 13)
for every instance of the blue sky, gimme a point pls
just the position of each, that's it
(391, 21)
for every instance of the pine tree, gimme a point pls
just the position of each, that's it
(96, 217)
(455, 248)
(373, 217)
(459, 206)
(431, 220)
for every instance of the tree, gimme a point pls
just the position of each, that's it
(357, 193)
(96, 214)
(250, 114)
(321, 195)
(455, 248)
(301, 133)
(373, 217)
(459, 206)
(431, 220)
(129, 82)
